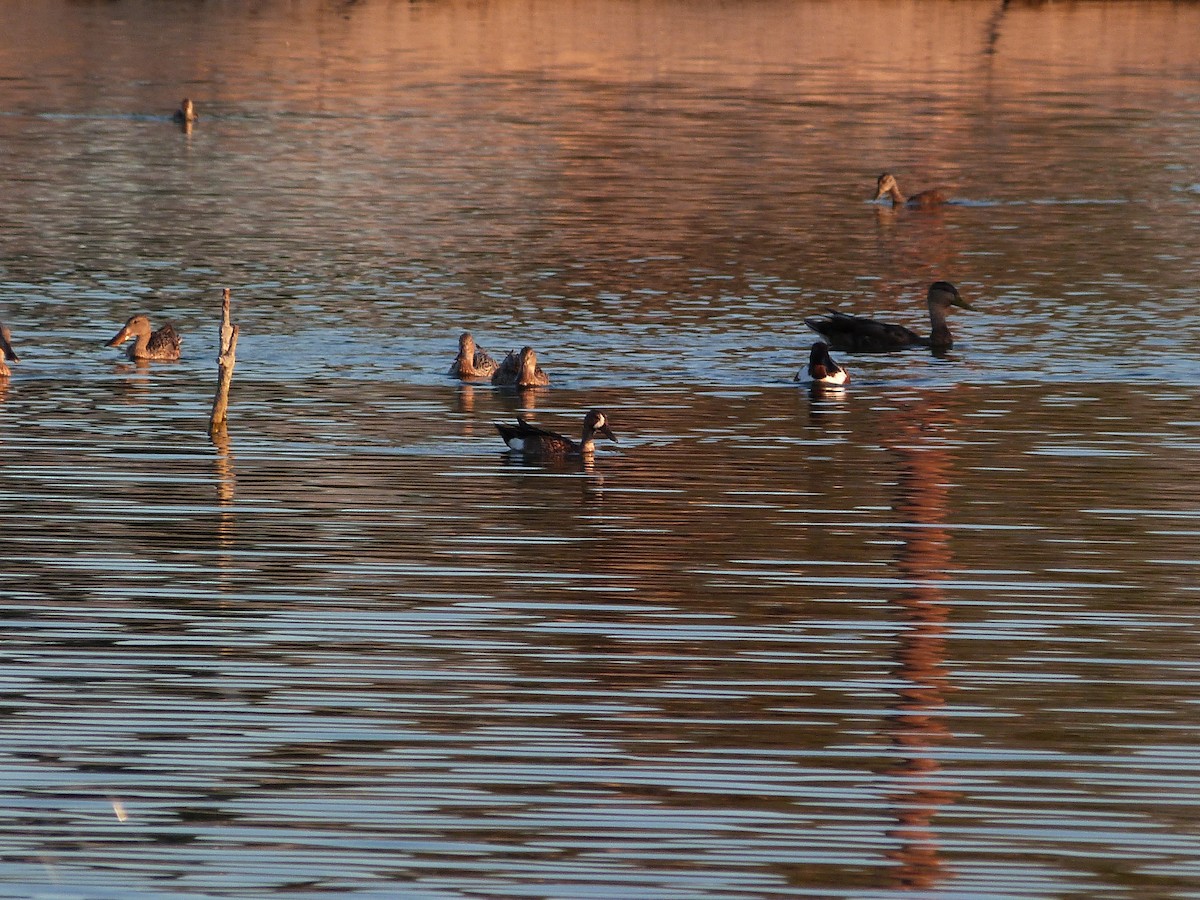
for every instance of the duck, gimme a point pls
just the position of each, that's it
(9, 354)
(858, 334)
(533, 441)
(472, 361)
(822, 370)
(186, 114)
(161, 344)
(886, 184)
(520, 370)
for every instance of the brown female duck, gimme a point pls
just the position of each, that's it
(886, 185)
(532, 441)
(161, 344)
(9, 353)
(472, 361)
(520, 370)
(859, 334)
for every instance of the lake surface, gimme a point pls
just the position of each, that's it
(934, 635)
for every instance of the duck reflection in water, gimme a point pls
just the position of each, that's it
(923, 561)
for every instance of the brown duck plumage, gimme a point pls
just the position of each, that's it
(472, 361)
(148, 344)
(520, 370)
(886, 185)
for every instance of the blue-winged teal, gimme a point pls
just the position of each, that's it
(520, 370)
(822, 370)
(161, 344)
(533, 441)
(886, 185)
(472, 361)
(858, 334)
(186, 114)
(9, 353)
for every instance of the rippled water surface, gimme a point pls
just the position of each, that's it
(935, 634)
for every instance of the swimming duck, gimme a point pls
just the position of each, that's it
(886, 184)
(161, 344)
(520, 370)
(822, 370)
(186, 114)
(859, 334)
(533, 441)
(9, 353)
(472, 361)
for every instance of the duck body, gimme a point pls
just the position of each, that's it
(148, 344)
(9, 354)
(539, 443)
(520, 370)
(858, 334)
(822, 370)
(186, 114)
(886, 186)
(472, 361)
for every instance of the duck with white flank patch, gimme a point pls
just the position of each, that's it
(538, 443)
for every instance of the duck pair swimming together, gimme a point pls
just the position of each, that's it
(161, 344)
(518, 369)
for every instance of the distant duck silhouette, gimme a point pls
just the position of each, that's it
(147, 344)
(532, 441)
(520, 370)
(822, 370)
(186, 114)
(9, 353)
(472, 361)
(886, 185)
(858, 334)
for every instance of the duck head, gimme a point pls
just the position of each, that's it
(943, 295)
(596, 423)
(137, 326)
(884, 185)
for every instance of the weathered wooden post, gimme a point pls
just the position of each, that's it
(225, 361)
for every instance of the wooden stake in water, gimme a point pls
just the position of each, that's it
(225, 361)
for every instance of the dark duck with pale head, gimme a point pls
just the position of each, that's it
(858, 334)
(533, 441)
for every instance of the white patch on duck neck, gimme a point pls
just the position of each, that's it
(515, 443)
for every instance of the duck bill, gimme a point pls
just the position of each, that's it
(603, 429)
(961, 303)
(9, 353)
(122, 337)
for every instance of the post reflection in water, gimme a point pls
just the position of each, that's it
(226, 476)
(922, 561)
